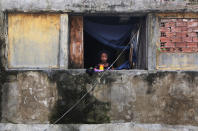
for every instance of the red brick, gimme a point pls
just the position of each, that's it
(184, 29)
(195, 29)
(182, 34)
(189, 49)
(192, 34)
(176, 39)
(170, 34)
(175, 29)
(170, 24)
(179, 20)
(195, 39)
(187, 39)
(164, 29)
(172, 49)
(180, 44)
(181, 23)
(192, 24)
(169, 44)
(164, 39)
(192, 45)
(190, 30)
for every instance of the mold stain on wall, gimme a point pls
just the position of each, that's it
(70, 89)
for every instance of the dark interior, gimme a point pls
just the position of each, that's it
(92, 47)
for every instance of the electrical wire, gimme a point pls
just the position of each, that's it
(93, 87)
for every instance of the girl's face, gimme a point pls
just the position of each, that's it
(103, 57)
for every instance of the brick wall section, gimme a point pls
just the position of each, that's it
(179, 35)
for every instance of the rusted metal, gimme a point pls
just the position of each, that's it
(76, 42)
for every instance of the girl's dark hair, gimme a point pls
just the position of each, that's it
(106, 52)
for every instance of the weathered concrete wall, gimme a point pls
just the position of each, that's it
(120, 96)
(100, 5)
(98, 127)
(28, 98)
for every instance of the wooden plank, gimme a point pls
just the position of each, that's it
(76, 43)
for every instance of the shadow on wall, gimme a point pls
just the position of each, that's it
(3, 77)
(70, 89)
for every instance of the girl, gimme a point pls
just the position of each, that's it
(103, 60)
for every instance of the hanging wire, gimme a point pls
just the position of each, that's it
(96, 82)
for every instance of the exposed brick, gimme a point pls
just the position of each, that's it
(170, 24)
(164, 29)
(187, 39)
(176, 39)
(195, 29)
(182, 34)
(189, 49)
(170, 34)
(169, 44)
(164, 39)
(192, 24)
(179, 49)
(175, 29)
(179, 20)
(181, 23)
(180, 44)
(172, 49)
(179, 35)
(190, 30)
(192, 45)
(195, 39)
(184, 29)
(192, 34)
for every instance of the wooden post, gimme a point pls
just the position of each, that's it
(76, 43)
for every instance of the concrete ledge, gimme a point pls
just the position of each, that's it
(90, 6)
(162, 97)
(95, 127)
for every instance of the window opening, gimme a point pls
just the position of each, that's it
(112, 34)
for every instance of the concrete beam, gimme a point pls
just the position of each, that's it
(83, 6)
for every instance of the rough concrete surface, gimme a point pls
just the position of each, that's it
(120, 96)
(28, 98)
(98, 127)
(100, 5)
